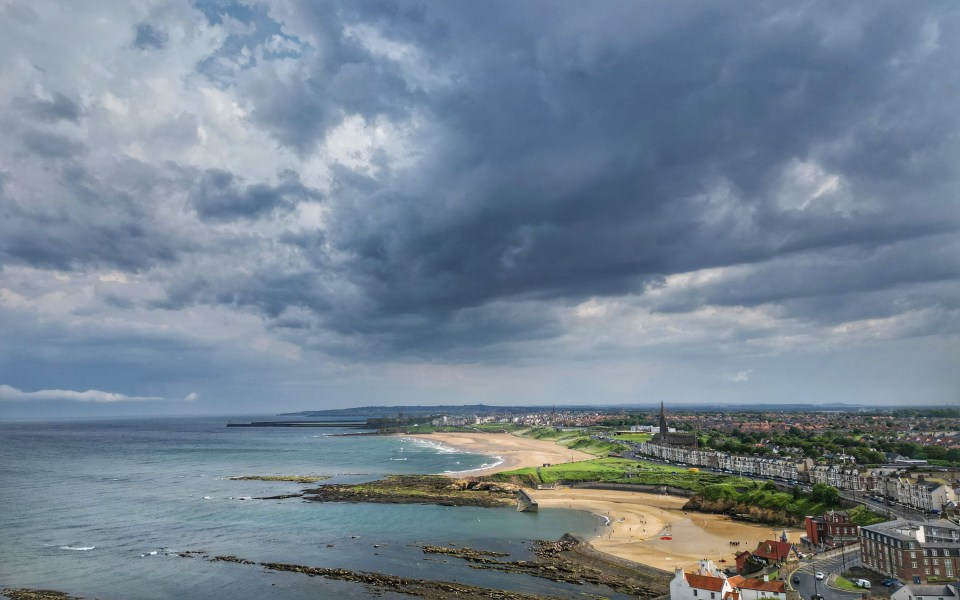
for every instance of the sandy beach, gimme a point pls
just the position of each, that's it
(638, 520)
(516, 452)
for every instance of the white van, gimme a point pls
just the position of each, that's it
(862, 583)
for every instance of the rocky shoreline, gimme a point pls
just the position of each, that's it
(28, 594)
(418, 489)
(570, 560)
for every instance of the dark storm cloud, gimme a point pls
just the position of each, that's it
(589, 151)
(84, 222)
(340, 77)
(221, 195)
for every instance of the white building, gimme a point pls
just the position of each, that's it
(709, 583)
(916, 591)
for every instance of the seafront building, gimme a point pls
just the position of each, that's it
(922, 492)
(924, 591)
(710, 583)
(912, 551)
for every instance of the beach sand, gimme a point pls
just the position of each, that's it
(637, 520)
(516, 452)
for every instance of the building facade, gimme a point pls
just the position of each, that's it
(912, 551)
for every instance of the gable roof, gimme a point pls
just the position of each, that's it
(736, 580)
(772, 549)
(760, 585)
(705, 582)
(929, 589)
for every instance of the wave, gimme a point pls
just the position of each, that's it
(482, 467)
(398, 459)
(77, 548)
(439, 447)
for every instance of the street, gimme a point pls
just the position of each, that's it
(809, 586)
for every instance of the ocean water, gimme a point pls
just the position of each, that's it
(99, 509)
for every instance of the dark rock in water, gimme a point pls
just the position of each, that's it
(27, 594)
(233, 559)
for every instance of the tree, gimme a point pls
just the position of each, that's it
(825, 494)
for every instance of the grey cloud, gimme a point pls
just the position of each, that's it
(84, 221)
(51, 145)
(148, 37)
(57, 108)
(221, 195)
(580, 154)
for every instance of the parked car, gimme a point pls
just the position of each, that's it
(796, 579)
(862, 583)
(819, 575)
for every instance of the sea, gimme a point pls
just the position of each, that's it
(104, 508)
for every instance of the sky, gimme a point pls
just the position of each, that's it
(238, 207)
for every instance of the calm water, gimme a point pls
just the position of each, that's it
(98, 508)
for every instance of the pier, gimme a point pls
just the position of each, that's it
(350, 424)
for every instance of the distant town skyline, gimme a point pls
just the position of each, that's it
(226, 207)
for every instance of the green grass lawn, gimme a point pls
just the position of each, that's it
(845, 584)
(634, 437)
(613, 470)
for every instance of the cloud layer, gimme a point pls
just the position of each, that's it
(308, 201)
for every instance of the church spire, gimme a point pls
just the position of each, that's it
(663, 419)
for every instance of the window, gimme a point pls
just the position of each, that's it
(695, 592)
(913, 564)
(712, 595)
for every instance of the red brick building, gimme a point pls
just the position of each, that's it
(928, 551)
(831, 529)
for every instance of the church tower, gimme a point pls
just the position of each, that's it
(663, 419)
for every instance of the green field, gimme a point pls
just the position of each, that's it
(634, 437)
(612, 470)
(577, 439)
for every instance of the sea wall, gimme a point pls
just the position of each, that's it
(525, 503)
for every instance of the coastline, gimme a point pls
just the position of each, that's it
(512, 452)
(637, 520)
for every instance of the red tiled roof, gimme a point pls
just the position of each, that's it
(705, 582)
(735, 580)
(771, 549)
(734, 595)
(763, 586)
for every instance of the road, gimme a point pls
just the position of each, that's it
(809, 586)
(894, 511)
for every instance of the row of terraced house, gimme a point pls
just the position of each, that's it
(922, 493)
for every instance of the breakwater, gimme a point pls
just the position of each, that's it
(351, 425)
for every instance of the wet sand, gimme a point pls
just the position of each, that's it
(637, 520)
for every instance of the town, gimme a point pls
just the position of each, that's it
(900, 467)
